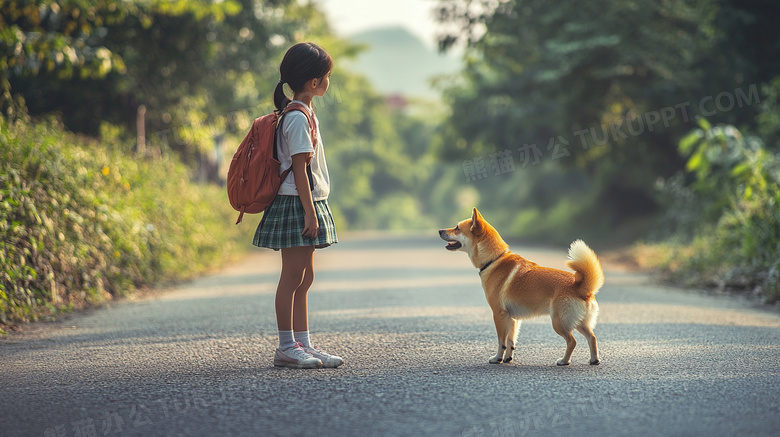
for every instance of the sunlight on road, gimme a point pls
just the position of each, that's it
(669, 314)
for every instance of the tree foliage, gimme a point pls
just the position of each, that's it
(185, 61)
(618, 82)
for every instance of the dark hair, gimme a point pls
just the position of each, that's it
(302, 62)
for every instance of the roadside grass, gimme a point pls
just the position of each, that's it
(723, 220)
(83, 222)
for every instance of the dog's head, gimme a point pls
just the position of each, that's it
(467, 234)
(477, 238)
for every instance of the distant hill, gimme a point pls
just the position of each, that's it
(398, 62)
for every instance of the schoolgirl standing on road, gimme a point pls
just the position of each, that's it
(299, 219)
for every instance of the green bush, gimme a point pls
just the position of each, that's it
(730, 212)
(83, 221)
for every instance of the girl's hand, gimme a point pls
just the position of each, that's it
(311, 226)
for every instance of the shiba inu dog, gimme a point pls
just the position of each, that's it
(518, 289)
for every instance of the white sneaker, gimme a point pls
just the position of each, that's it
(296, 358)
(327, 359)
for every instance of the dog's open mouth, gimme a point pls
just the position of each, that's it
(454, 245)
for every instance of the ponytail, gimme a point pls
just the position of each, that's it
(280, 99)
(302, 62)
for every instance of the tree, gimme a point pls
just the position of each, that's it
(187, 62)
(607, 81)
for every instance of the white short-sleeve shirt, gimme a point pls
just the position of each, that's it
(294, 138)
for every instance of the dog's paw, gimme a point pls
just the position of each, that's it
(508, 359)
(595, 362)
(495, 360)
(563, 363)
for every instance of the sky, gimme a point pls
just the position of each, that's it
(351, 16)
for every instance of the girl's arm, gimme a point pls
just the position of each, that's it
(311, 227)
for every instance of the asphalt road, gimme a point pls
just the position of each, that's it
(412, 323)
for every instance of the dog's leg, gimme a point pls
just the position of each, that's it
(511, 340)
(591, 337)
(564, 331)
(500, 319)
(586, 328)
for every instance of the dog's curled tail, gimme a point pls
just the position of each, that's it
(583, 260)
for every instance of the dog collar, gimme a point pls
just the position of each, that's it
(491, 262)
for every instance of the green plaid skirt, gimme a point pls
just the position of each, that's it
(284, 219)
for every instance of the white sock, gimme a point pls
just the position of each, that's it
(302, 337)
(286, 340)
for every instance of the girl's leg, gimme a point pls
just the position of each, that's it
(301, 299)
(292, 309)
(302, 258)
(296, 261)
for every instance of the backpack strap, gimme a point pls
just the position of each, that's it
(312, 132)
(312, 124)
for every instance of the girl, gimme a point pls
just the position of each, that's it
(299, 219)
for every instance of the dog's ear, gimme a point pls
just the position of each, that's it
(476, 222)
